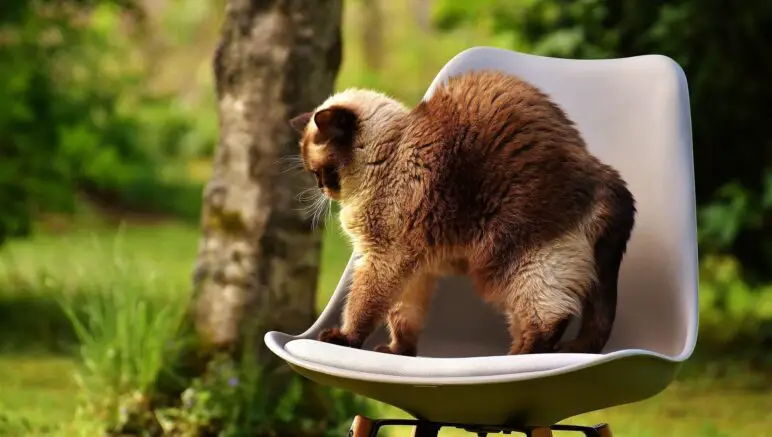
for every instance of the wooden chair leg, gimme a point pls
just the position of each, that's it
(605, 431)
(543, 431)
(426, 430)
(361, 427)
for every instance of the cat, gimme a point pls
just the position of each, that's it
(489, 178)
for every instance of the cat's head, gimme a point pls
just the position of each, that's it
(339, 136)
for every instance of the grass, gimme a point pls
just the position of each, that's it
(37, 367)
(37, 392)
(115, 270)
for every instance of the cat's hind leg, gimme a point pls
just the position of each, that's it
(537, 317)
(601, 303)
(541, 290)
(533, 333)
(406, 318)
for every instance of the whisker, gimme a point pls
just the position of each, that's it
(315, 206)
(318, 207)
(309, 209)
(318, 212)
(290, 163)
(290, 158)
(330, 219)
(307, 194)
(293, 167)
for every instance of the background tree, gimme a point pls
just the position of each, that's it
(372, 34)
(258, 257)
(422, 13)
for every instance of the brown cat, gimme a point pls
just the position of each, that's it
(488, 177)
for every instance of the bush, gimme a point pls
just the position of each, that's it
(231, 400)
(74, 113)
(131, 343)
(734, 315)
(126, 338)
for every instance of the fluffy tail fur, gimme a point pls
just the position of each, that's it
(599, 310)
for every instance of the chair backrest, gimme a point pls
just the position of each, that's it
(634, 115)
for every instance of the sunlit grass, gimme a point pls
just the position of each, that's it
(108, 279)
(36, 393)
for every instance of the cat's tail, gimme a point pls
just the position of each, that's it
(599, 311)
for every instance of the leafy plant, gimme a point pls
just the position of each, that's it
(132, 336)
(235, 398)
(75, 116)
(734, 313)
(128, 338)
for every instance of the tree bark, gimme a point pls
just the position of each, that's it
(258, 258)
(422, 11)
(372, 34)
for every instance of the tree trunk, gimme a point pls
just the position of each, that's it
(258, 258)
(422, 11)
(372, 34)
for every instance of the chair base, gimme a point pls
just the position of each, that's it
(366, 427)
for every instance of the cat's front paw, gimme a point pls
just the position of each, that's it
(335, 336)
(382, 348)
(404, 351)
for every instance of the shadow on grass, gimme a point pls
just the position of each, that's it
(35, 324)
(34, 320)
(148, 200)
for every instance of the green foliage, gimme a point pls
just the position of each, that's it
(10, 425)
(74, 115)
(127, 340)
(733, 314)
(127, 331)
(123, 291)
(231, 400)
(130, 343)
(733, 210)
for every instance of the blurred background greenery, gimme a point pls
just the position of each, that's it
(107, 127)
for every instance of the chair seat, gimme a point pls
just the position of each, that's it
(529, 390)
(367, 361)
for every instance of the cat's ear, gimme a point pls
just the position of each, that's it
(300, 122)
(336, 122)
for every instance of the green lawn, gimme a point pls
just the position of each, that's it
(36, 368)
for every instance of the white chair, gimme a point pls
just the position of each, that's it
(634, 114)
